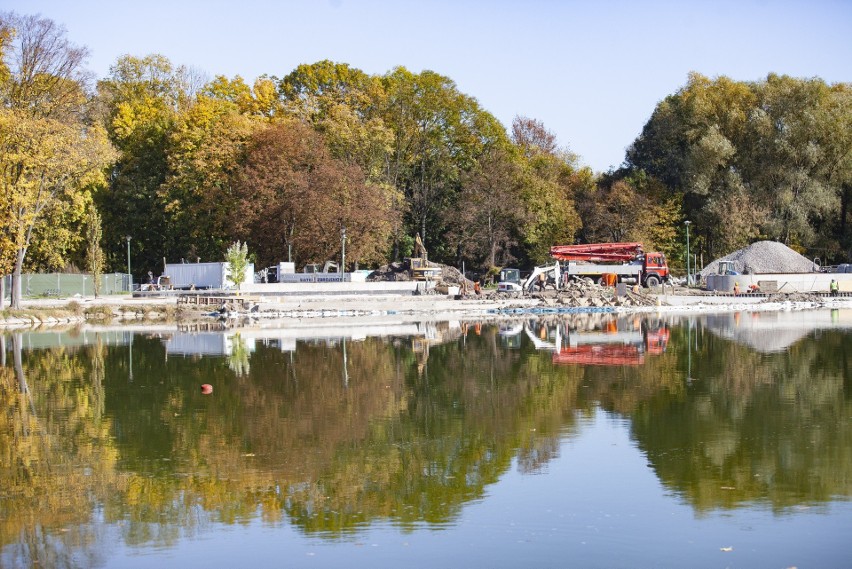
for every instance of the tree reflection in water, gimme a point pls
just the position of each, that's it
(402, 428)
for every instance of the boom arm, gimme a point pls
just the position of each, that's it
(598, 252)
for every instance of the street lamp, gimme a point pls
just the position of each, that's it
(688, 278)
(343, 253)
(128, 263)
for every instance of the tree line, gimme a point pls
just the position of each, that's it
(184, 166)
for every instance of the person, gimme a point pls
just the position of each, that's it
(834, 287)
(542, 279)
(736, 289)
(477, 289)
(753, 288)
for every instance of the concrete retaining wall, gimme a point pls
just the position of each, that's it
(785, 282)
(406, 288)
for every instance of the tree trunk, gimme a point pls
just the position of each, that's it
(17, 347)
(16, 279)
(2, 292)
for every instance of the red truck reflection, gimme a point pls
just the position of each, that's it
(616, 348)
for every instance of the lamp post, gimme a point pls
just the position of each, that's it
(128, 263)
(342, 253)
(688, 278)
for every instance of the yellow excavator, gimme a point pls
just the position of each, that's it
(419, 266)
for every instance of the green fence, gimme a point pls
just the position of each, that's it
(63, 285)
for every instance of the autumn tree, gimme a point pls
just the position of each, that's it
(485, 226)
(293, 195)
(549, 180)
(141, 98)
(203, 151)
(51, 153)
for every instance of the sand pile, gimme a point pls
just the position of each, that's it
(764, 257)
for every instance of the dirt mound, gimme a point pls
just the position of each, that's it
(400, 272)
(392, 272)
(764, 257)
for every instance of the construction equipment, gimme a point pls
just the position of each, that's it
(612, 348)
(726, 268)
(510, 279)
(328, 267)
(628, 261)
(419, 267)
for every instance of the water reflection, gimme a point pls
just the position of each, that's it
(332, 428)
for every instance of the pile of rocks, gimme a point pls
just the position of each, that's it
(581, 294)
(764, 257)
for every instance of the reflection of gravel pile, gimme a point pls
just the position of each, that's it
(764, 257)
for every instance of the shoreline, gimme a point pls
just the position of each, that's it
(127, 310)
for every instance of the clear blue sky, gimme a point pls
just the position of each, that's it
(591, 71)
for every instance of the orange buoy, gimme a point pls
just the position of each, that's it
(206, 389)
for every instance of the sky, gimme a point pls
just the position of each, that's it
(591, 71)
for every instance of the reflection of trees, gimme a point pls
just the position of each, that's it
(292, 439)
(51, 423)
(771, 428)
(238, 359)
(302, 439)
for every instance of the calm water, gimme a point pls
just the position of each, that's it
(582, 441)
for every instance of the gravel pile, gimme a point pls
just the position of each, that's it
(764, 257)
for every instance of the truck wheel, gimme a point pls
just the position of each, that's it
(652, 280)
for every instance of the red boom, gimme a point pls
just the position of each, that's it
(597, 252)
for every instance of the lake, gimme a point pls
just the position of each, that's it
(583, 440)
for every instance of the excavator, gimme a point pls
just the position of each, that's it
(628, 261)
(510, 279)
(419, 266)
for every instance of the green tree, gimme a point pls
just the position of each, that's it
(204, 150)
(767, 159)
(142, 98)
(439, 133)
(94, 252)
(237, 259)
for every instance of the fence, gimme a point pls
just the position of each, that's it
(63, 285)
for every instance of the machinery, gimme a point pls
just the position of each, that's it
(419, 267)
(612, 348)
(627, 261)
(510, 279)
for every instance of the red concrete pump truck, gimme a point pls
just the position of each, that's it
(628, 261)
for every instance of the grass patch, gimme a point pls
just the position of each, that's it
(100, 312)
